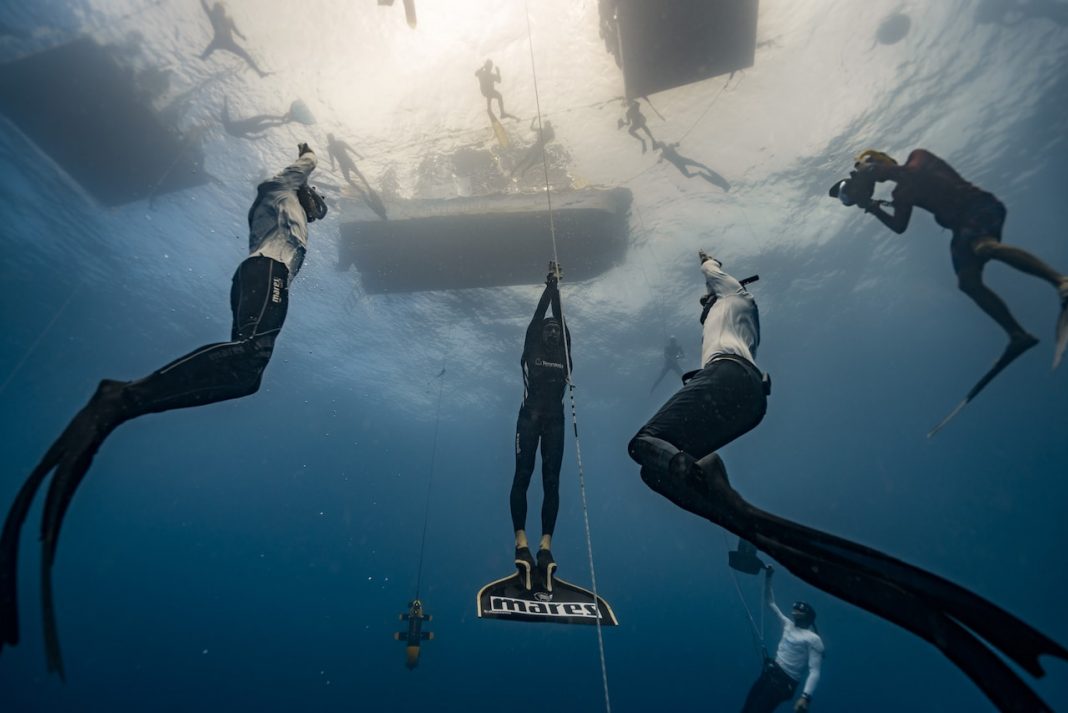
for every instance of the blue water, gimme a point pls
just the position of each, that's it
(254, 555)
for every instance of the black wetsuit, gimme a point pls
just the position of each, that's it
(771, 690)
(541, 417)
(223, 30)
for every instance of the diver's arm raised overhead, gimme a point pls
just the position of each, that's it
(769, 598)
(292, 176)
(534, 328)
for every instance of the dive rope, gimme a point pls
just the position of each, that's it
(570, 383)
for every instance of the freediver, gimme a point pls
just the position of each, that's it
(223, 30)
(672, 353)
(534, 153)
(488, 75)
(682, 163)
(339, 151)
(976, 218)
(636, 120)
(726, 399)
(259, 297)
(800, 648)
(253, 127)
(546, 364)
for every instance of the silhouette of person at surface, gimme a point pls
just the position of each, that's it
(636, 120)
(672, 353)
(253, 127)
(224, 29)
(533, 154)
(1013, 12)
(339, 151)
(488, 75)
(668, 152)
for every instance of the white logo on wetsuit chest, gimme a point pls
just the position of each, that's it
(276, 289)
(551, 364)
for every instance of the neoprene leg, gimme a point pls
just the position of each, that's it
(526, 450)
(552, 457)
(234, 48)
(766, 694)
(259, 300)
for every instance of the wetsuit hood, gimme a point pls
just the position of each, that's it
(552, 326)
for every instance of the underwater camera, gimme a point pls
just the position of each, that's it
(855, 190)
(312, 201)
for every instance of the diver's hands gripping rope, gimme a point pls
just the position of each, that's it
(555, 273)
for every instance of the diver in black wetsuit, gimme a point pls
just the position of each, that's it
(546, 367)
(727, 398)
(636, 120)
(253, 127)
(672, 353)
(224, 29)
(259, 297)
(534, 153)
(339, 151)
(488, 75)
(682, 163)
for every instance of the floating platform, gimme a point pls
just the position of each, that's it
(669, 43)
(79, 105)
(490, 241)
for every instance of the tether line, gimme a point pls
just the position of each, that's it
(430, 483)
(570, 382)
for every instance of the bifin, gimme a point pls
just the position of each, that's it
(1012, 351)
(1062, 335)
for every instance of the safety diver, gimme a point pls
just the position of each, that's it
(672, 353)
(223, 30)
(253, 127)
(259, 297)
(669, 153)
(547, 365)
(340, 151)
(488, 75)
(727, 398)
(636, 120)
(976, 218)
(534, 153)
(800, 648)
